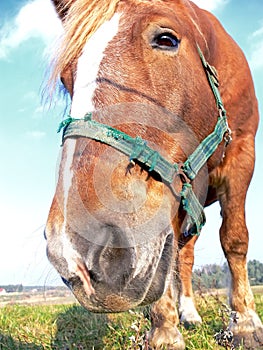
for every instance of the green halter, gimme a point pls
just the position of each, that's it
(137, 149)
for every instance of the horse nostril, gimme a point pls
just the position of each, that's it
(116, 260)
(117, 264)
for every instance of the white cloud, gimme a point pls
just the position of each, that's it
(36, 19)
(258, 32)
(30, 95)
(35, 134)
(256, 60)
(40, 109)
(210, 5)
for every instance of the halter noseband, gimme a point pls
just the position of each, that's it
(137, 150)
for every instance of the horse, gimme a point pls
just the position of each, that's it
(162, 123)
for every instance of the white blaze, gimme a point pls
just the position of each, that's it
(84, 87)
(69, 149)
(88, 67)
(68, 172)
(69, 252)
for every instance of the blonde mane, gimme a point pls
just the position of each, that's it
(82, 19)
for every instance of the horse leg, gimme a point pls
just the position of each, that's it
(164, 319)
(234, 240)
(187, 310)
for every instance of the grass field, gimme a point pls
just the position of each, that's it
(69, 326)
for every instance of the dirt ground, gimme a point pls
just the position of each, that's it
(64, 296)
(46, 297)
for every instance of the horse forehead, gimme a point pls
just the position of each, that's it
(101, 38)
(88, 66)
(94, 48)
(160, 11)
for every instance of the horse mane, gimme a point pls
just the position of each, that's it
(82, 19)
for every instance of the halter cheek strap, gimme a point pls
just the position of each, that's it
(137, 150)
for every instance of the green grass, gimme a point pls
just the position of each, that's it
(71, 327)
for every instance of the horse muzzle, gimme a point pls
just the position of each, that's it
(115, 277)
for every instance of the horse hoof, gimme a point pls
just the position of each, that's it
(191, 324)
(166, 338)
(248, 331)
(189, 316)
(251, 341)
(190, 320)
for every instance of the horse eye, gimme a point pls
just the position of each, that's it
(166, 41)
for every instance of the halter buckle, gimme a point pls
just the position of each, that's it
(181, 173)
(228, 137)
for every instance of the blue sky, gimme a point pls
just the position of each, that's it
(30, 146)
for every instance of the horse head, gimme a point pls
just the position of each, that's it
(143, 151)
(114, 226)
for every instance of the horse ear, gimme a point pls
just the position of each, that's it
(62, 7)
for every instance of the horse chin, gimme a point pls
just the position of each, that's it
(142, 289)
(105, 302)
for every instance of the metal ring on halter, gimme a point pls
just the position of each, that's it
(184, 178)
(228, 137)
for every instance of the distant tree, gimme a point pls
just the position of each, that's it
(211, 276)
(11, 288)
(20, 288)
(217, 276)
(255, 272)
